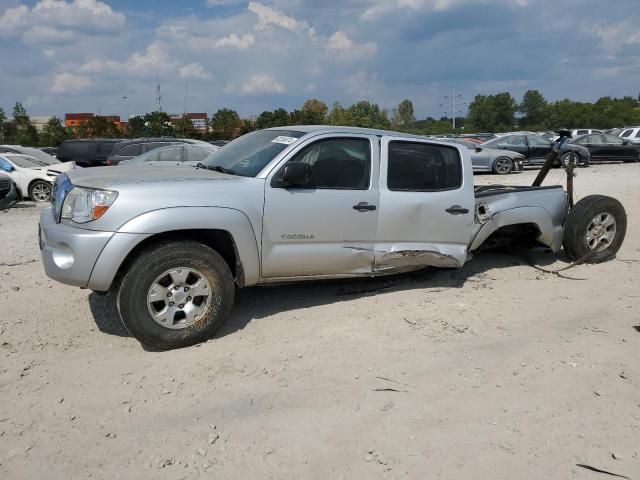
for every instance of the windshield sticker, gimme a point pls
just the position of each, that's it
(284, 140)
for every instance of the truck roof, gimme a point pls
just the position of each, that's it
(340, 129)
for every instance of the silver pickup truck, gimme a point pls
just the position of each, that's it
(172, 244)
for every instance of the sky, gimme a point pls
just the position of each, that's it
(62, 56)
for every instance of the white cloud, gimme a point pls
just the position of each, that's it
(241, 42)
(70, 83)
(194, 71)
(385, 7)
(613, 36)
(258, 83)
(60, 21)
(268, 16)
(155, 59)
(340, 43)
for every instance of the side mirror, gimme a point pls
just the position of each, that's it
(625, 142)
(478, 149)
(296, 174)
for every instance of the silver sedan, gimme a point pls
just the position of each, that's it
(483, 159)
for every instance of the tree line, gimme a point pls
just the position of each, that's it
(486, 113)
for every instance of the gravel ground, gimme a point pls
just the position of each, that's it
(497, 370)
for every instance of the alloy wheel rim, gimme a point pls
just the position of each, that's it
(41, 192)
(503, 165)
(601, 232)
(179, 297)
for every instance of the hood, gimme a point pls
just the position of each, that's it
(56, 168)
(111, 177)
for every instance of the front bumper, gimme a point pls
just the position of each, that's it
(69, 253)
(518, 165)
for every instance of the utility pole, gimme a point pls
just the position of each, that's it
(453, 106)
(184, 112)
(158, 94)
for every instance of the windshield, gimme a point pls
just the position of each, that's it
(26, 162)
(250, 153)
(40, 155)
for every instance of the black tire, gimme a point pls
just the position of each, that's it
(40, 191)
(580, 222)
(136, 284)
(502, 166)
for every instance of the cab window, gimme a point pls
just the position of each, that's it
(337, 163)
(421, 167)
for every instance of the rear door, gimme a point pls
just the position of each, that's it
(327, 227)
(515, 143)
(539, 147)
(618, 150)
(427, 205)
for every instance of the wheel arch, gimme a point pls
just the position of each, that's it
(538, 217)
(226, 231)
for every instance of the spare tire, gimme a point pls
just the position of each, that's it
(596, 225)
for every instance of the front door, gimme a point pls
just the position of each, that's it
(427, 205)
(328, 226)
(539, 147)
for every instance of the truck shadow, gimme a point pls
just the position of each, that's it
(253, 304)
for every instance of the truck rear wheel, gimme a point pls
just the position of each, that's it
(597, 226)
(176, 295)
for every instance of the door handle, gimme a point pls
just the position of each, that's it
(457, 210)
(364, 207)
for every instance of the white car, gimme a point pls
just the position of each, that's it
(32, 152)
(33, 177)
(632, 134)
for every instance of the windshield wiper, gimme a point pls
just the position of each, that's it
(216, 168)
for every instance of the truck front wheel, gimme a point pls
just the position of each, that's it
(596, 226)
(175, 295)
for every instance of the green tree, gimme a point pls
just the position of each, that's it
(368, 115)
(534, 110)
(53, 133)
(225, 124)
(313, 112)
(98, 126)
(135, 127)
(492, 113)
(339, 115)
(157, 124)
(184, 128)
(25, 133)
(278, 118)
(3, 120)
(403, 116)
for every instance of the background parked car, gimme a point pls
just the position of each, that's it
(485, 137)
(492, 160)
(33, 152)
(605, 147)
(8, 192)
(631, 134)
(33, 178)
(185, 154)
(128, 149)
(86, 152)
(533, 147)
(53, 151)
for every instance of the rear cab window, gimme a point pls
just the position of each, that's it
(423, 167)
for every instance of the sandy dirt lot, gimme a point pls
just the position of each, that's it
(494, 371)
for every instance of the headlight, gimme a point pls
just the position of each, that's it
(84, 204)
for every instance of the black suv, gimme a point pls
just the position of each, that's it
(87, 152)
(127, 149)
